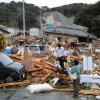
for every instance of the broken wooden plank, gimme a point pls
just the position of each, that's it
(64, 90)
(15, 57)
(16, 83)
(90, 92)
(37, 69)
(46, 77)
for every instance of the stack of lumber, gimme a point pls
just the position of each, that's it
(42, 71)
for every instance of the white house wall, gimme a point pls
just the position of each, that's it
(51, 37)
(34, 32)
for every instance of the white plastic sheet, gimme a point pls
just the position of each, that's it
(87, 63)
(90, 79)
(36, 88)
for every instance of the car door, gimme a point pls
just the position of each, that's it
(42, 50)
(1, 74)
(4, 72)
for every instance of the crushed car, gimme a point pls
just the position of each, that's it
(11, 71)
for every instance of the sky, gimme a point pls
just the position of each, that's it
(53, 3)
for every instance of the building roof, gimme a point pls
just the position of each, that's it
(4, 31)
(66, 26)
(69, 31)
(64, 21)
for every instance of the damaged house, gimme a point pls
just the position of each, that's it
(58, 26)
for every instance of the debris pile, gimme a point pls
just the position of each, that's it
(43, 71)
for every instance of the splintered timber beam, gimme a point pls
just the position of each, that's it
(15, 57)
(50, 68)
(37, 69)
(46, 77)
(45, 67)
(38, 65)
(64, 90)
(90, 92)
(16, 83)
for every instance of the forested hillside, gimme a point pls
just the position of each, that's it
(71, 9)
(90, 17)
(11, 14)
(85, 14)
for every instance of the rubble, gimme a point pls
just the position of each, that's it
(43, 70)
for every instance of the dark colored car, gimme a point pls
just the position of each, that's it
(10, 70)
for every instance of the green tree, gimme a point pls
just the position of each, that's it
(11, 14)
(2, 42)
(90, 17)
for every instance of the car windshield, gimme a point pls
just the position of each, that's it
(5, 60)
(42, 48)
(34, 48)
(26, 48)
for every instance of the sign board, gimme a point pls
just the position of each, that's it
(90, 78)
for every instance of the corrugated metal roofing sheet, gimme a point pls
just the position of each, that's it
(73, 31)
(65, 22)
(67, 31)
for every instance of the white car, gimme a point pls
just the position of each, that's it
(36, 50)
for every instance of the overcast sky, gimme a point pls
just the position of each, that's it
(53, 3)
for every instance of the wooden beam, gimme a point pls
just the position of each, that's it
(46, 77)
(16, 83)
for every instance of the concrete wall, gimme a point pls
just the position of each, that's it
(34, 32)
(51, 37)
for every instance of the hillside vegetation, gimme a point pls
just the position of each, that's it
(85, 14)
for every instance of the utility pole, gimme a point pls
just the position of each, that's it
(41, 26)
(88, 38)
(24, 19)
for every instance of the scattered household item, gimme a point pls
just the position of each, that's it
(36, 88)
(87, 63)
(54, 80)
(98, 97)
(95, 86)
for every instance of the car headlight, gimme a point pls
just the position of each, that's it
(23, 75)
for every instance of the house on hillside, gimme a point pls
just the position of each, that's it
(35, 32)
(58, 26)
(9, 32)
(4, 30)
(13, 30)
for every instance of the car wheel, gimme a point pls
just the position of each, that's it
(24, 76)
(9, 79)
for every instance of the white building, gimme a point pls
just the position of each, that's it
(10, 30)
(35, 32)
(13, 31)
